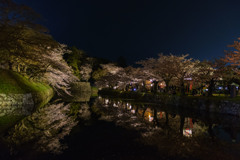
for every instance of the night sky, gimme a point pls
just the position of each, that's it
(139, 29)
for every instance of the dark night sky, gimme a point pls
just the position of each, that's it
(138, 29)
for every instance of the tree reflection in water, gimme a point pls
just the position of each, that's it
(46, 127)
(173, 133)
(183, 123)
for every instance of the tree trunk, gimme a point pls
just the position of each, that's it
(210, 131)
(155, 86)
(181, 124)
(182, 87)
(155, 117)
(166, 118)
(211, 87)
(10, 65)
(144, 112)
(18, 68)
(143, 89)
(25, 70)
(136, 111)
(167, 85)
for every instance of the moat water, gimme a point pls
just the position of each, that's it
(105, 128)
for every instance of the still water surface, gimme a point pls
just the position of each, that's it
(116, 129)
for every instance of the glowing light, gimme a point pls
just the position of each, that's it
(133, 111)
(106, 101)
(114, 105)
(188, 79)
(150, 118)
(187, 132)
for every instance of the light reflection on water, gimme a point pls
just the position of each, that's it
(188, 124)
(46, 129)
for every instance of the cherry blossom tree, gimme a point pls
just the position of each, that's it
(185, 69)
(81, 64)
(113, 76)
(233, 56)
(209, 73)
(25, 47)
(167, 67)
(108, 75)
(22, 39)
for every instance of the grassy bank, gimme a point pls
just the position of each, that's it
(14, 83)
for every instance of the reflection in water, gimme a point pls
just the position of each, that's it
(48, 125)
(188, 127)
(176, 133)
(173, 132)
(149, 117)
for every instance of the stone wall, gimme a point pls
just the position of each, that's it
(16, 104)
(23, 104)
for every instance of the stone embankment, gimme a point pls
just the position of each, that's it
(19, 95)
(17, 104)
(23, 104)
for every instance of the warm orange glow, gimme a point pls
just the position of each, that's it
(150, 118)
